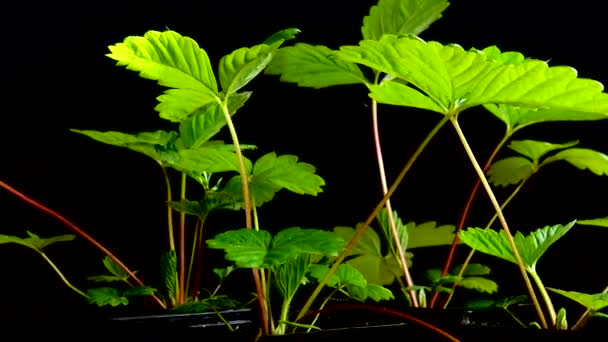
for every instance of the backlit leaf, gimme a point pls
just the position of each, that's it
(428, 234)
(401, 17)
(383, 221)
(600, 222)
(519, 117)
(344, 275)
(374, 292)
(313, 66)
(289, 276)
(593, 302)
(106, 296)
(34, 241)
(174, 61)
(530, 247)
(583, 158)
(244, 64)
(209, 159)
(511, 170)
(285, 34)
(535, 150)
(479, 284)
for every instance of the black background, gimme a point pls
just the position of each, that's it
(56, 77)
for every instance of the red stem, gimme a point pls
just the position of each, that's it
(80, 233)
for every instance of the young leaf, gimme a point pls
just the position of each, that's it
(286, 172)
(561, 321)
(600, 222)
(139, 291)
(174, 61)
(34, 241)
(199, 128)
(246, 247)
(475, 270)
(289, 276)
(147, 143)
(428, 234)
(244, 64)
(512, 170)
(114, 269)
(106, 296)
(530, 247)
(208, 158)
(384, 223)
(479, 284)
(187, 207)
(401, 17)
(313, 66)
(286, 34)
(168, 272)
(345, 275)
(593, 302)
(372, 291)
(369, 243)
(303, 241)
(535, 150)
(583, 158)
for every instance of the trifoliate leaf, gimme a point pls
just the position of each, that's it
(511, 170)
(428, 234)
(583, 158)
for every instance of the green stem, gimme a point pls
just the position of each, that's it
(65, 280)
(170, 227)
(321, 308)
(182, 244)
(365, 225)
(247, 200)
(503, 221)
(506, 202)
(80, 233)
(391, 219)
(196, 244)
(284, 317)
(465, 214)
(545, 295)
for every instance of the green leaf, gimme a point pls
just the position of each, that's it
(383, 221)
(593, 302)
(313, 66)
(479, 284)
(600, 222)
(476, 270)
(187, 207)
(345, 275)
(368, 258)
(139, 291)
(519, 117)
(583, 158)
(174, 61)
(561, 321)
(209, 159)
(286, 172)
(214, 303)
(455, 79)
(535, 150)
(401, 17)
(290, 275)
(204, 125)
(114, 268)
(428, 234)
(244, 64)
(286, 34)
(222, 273)
(511, 170)
(253, 249)
(168, 272)
(398, 94)
(150, 144)
(34, 241)
(372, 291)
(106, 296)
(530, 247)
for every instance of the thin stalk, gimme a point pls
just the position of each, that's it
(194, 256)
(247, 200)
(389, 209)
(321, 308)
(501, 218)
(65, 280)
(468, 259)
(543, 292)
(182, 244)
(365, 225)
(80, 233)
(465, 213)
(585, 316)
(170, 227)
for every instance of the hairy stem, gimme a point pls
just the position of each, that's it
(80, 233)
(368, 221)
(501, 218)
(391, 218)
